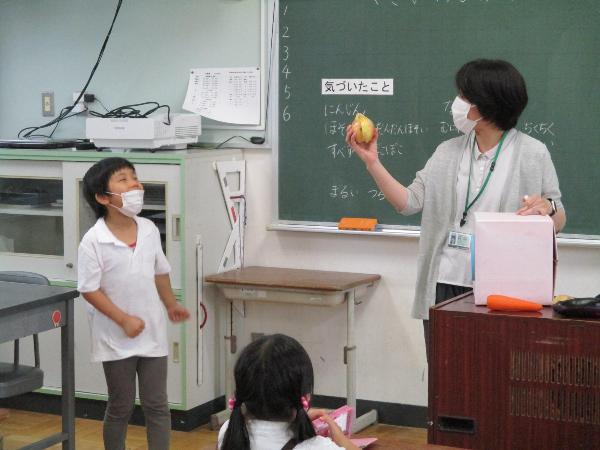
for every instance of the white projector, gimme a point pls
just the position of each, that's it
(149, 132)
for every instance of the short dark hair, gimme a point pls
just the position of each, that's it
(95, 181)
(496, 88)
(271, 375)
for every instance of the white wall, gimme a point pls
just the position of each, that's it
(52, 45)
(391, 351)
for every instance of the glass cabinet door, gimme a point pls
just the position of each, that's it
(31, 217)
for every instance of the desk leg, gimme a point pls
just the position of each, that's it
(369, 417)
(218, 419)
(350, 353)
(67, 334)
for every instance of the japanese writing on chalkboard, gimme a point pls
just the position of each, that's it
(357, 86)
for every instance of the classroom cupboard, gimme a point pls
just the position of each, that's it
(502, 380)
(43, 216)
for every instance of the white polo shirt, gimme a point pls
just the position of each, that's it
(126, 276)
(455, 263)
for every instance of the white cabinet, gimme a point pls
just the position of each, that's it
(43, 216)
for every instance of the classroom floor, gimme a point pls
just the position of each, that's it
(23, 427)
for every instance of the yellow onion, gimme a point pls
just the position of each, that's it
(363, 128)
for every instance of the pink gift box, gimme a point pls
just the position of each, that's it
(515, 256)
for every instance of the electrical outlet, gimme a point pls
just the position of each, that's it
(80, 106)
(48, 104)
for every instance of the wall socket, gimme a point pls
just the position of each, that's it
(80, 106)
(48, 103)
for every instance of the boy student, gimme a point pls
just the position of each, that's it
(124, 275)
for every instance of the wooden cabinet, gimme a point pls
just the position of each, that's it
(512, 380)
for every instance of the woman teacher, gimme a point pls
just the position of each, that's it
(490, 167)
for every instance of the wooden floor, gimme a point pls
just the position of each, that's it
(23, 427)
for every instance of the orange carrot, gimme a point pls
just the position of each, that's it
(505, 303)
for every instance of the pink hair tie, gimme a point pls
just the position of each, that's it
(231, 403)
(304, 402)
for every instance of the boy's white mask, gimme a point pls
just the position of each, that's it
(460, 110)
(133, 202)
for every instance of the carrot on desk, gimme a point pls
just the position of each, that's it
(506, 303)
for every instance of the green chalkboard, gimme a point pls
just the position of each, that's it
(419, 45)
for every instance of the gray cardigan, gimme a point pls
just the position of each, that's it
(433, 192)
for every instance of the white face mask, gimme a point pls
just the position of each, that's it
(133, 202)
(460, 110)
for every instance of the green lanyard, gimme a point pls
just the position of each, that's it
(467, 204)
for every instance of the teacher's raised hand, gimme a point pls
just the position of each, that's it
(367, 152)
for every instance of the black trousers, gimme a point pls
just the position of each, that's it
(443, 292)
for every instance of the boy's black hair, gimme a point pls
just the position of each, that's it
(271, 375)
(496, 88)
(95, 181)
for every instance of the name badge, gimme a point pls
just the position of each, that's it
(459, 240)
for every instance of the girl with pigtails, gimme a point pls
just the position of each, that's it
(270, 411)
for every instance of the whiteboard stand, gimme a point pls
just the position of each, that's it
(309, 287)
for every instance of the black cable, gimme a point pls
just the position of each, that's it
(232, 137)
(48, 136)
(130, 111)
(67, 117)
(65, 111)
(101, 104)
(55, 127)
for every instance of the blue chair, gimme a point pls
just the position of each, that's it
(15, 378)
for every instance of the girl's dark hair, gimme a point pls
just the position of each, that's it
(95, 181)
(496, 88)
(271, 375)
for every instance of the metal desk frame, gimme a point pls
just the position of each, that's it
(26, 309)
(240, 278)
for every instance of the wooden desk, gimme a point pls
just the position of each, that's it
(313, 287)
(513, 380)
(26, 309)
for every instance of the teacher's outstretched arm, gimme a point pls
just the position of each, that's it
(394, 192)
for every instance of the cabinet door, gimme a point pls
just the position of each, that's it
(31, 218)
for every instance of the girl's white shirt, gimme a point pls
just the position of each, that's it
(266, 435)
(126, 276)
